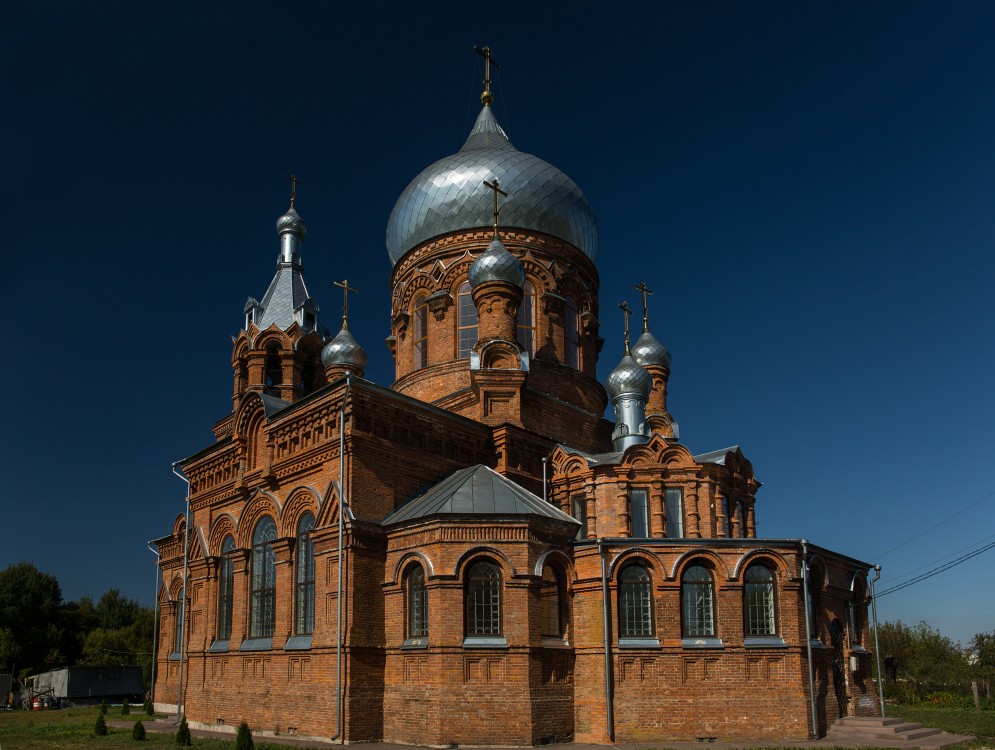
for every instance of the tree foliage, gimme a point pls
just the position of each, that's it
(919, 660)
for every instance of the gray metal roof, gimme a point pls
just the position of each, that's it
(285, 295)
(716, 457)
(476, 490)
(272, 404)
(449, 195)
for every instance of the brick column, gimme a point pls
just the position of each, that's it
(658, 526)
(693, 516)
(284, 622)
(241, 590)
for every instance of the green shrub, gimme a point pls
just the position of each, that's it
(243, 739)
(138, 731)
(149, 708)
(100, 726)
(183, 738)
(125, 708)
(103, 708)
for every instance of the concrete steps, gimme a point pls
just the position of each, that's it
(855, 730)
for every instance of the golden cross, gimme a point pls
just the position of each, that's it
(626, 312)
(487, 97)
(294, 182)
(344, 286)
(644, 290)
(496, 187)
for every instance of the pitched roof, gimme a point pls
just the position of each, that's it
(476, 490)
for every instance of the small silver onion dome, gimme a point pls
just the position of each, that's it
(291, 222)
(449, 195)
(497, 264)
(629, 378)
(344, 350)
(649, 351)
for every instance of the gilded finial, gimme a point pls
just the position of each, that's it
(644, 290)
(495, 186)
(626, 312)
(344, 286)
(487, 97)
(294, 182)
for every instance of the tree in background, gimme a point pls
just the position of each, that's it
(920, 660)
(33, 621)
(983, 660)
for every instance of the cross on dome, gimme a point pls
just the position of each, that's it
(487, 97)
(344, 286)
(644, 290)
(496, 187)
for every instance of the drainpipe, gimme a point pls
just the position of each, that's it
(338, 617)
(877, 648)
(544, 497)
(183, 598)
(609, 676)
(808, 640)
(155, 622)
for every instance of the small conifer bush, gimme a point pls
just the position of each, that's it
(103, 708)
(243, 739)
(149, 708)
(125, 708)
(100, 726)
(138, 731)
(183, 738)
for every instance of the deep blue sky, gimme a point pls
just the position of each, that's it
(809, 188)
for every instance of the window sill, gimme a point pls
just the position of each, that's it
(816, 643)
(858, 649)
(218, 647)
(764, 641)
(638, 643)
(257, 644)
(175, 656)
(298, 643)
(704, 642)
(551, 641)
(485, 641)
(415, 643)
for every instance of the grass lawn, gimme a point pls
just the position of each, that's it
(73, 728)
(956, 720)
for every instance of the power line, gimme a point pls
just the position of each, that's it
(899, 576)
(937, 525)
(937, 571)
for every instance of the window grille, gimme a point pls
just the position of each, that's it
(526, 319)
(466, 322)
(675, 512)
(635, 602)
(262, 611)
(304, 598)
(483, 600)
(758, 601)
(225, 589)
(417, 603)
(550, 599)
(697, 602)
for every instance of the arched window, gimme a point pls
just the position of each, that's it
(857, 613)
(815, 579)
(551, 614)
(416, 602)
(420, 332)
(466, 321)
(274, 370)
(697, 603)
(635, 602)
(483, 599)
(758, 601)
(304, 577)
(526, 319)
(262, 611)
(225, 588)
(571, 335)
(178, 625)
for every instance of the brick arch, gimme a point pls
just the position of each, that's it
(658, 452)
(558, 556)
(271, 335)
(179, 524)
(637, 554)
(175, 588)
(418, 284)
(197, 547)
(250, 406)
(567, 464)
(857, 577)
(457, 272)
(406, 561)
(541, 277)
(816, 561)
(302, 499)
(241, 348)
(259, 505)
(496, 555)
(223, 525)
(699, 553)
(774, 559)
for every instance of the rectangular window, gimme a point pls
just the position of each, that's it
(579, 508)
(637, 510)
(675, 512)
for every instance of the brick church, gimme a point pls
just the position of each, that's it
(474, 554)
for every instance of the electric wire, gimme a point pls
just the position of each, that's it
(898, 577)
(937, 571)
(937, 525)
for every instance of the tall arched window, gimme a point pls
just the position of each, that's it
(483, 599)
(420, 332)
(466, 321)
(635, 602)
(527, 319)
(697, 603)
(262, 610)
(571, 334)
(551, 613)
(225, 588)
(815, 579)
(758, 601)
(304, 577)
(416, 602)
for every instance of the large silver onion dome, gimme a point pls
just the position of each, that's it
(649, 351)
(497, 264)
(291, 222)
(628, 378)
(449, 195)
(344, 350)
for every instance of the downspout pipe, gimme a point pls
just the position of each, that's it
(609, 675)
(339, 698)
(544, 483)
(808, 640)
(877, 648)
(183, 597)
(155, 621)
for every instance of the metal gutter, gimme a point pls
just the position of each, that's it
(877, 647)
(183, 598)
(609, 674)
(814, 734)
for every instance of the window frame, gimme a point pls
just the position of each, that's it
(415, 605)
(525, 323)
(226, 589)
(466, 311)
(578, 507)
(419, 332)
(636, 618)
(262, 585)
(704, 612)
(571, 334)
(483, 599)
(670, 514)
(639, 509)
(760, 612)
(551, 603)
(304, 575)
